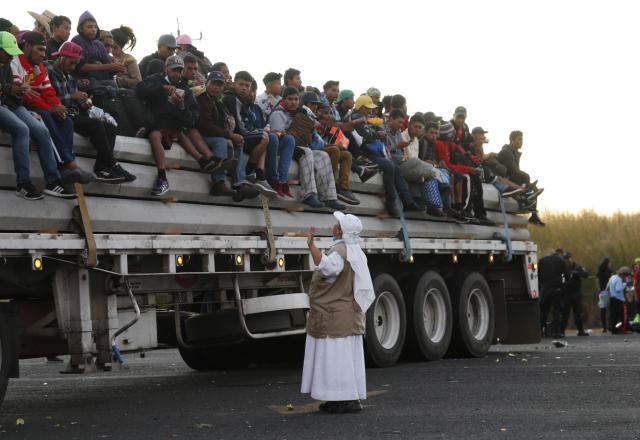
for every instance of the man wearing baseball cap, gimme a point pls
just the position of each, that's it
(174, 112)
(154, 63)
(101, 132)
(29, 69)
(340, 293)
(18, 121)
(462, 136)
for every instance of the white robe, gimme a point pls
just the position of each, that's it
(334, 367)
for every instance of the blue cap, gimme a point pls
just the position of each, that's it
(215, 76)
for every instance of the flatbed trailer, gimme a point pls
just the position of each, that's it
(120, 270)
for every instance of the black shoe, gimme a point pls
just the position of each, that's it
(110, 175)
(411, 206)
(352, 406)
(312, 201)
(535, 220)
(366, 174)
(326, 406)
(435, 212)
(221, 189)
(77, 175)
(392, 210)
(58, 189)
(483, 220)
(347, 196)
(335, 205)
(245, 191)
(455, 215)
(28, 192)
(583, 333)
(128, 177)
(344, 407)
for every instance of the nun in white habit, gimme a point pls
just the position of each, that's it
(341, 291)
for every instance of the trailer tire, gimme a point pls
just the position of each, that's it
(230, 357)
(5, 356)
(429, 318)
(475, 321)
(386, 323)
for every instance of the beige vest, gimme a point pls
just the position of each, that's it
(334, 312)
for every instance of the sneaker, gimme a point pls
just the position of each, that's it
(335, 205)
(128, 177)
(262, 186)
(109, 175)
(526, 206)
(531, 195)
(160, 187)
(77, 175)
(312, 201)
(366, 174)
(213, 164)
(245, 191)
(58, 189)
(286, 190)
(511, 192)
(535, 220)
(28, 192)
(347, 196)
(221, 188)
(277, 187)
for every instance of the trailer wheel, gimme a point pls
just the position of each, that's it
(474, 326)
(429, 318)
(386, 323)
(231, 357)
(5, 356)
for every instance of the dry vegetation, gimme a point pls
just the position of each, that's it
(590, 237)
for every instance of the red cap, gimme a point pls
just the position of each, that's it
(69, 49)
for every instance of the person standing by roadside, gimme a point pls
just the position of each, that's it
(603, 275)
(617, 287)
(341, 291)
(573, 294)
(552, 275)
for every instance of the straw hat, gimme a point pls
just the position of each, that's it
(44, 19)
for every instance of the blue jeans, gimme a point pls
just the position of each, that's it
(61, 132)
(392, 180)
(221, 149)
(21, 124)
(279, 157)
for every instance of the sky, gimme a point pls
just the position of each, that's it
(564, 72)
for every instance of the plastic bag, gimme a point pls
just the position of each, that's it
(604, 299)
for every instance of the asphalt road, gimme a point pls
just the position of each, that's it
(588, 390)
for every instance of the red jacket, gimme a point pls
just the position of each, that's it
(444, 150)
(24, 72)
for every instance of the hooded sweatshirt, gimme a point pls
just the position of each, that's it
(93, 51)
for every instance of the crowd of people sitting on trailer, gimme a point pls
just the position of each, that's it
(52, 87)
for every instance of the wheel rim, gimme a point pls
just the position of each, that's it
(387, 320)
(478, 314)
(434, 315)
